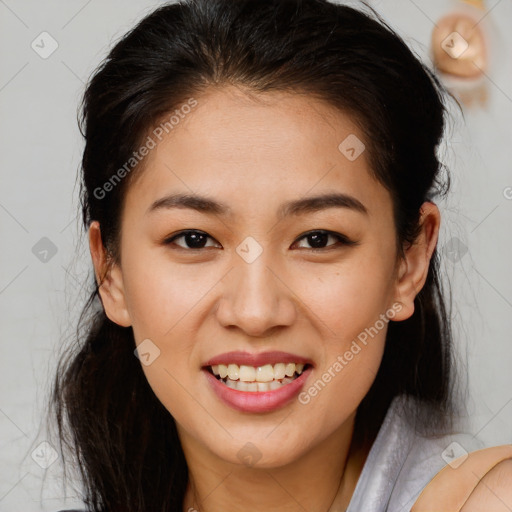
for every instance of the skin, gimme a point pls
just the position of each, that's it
(253, 154)
(493, 492)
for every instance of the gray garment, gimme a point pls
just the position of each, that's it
(401, 461)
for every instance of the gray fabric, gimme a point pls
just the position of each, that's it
(401, 462)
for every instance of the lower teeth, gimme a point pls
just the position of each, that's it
(257, 386)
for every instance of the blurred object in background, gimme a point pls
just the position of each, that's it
(460, 51)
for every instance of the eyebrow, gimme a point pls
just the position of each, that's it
(295, 207)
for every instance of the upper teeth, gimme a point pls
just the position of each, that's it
(265, 373)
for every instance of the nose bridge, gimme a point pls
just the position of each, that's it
(254, 299)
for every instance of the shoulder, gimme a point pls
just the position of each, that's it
(402, 460)
(493, 491)
(481, 481)
(427, 456)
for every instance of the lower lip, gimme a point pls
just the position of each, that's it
(258, 401)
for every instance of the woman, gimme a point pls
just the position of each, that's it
(257, 185)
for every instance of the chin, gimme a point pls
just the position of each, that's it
(245, 450)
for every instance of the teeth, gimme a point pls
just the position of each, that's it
(247, 373)
(261, 378)
(265, 373)
(233, 371)
(240, 385)
(289, 369)
(274, 385)
(279, 371)
(223, 371)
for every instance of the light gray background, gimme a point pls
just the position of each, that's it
(41, 149)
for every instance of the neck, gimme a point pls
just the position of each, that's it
(322, 479)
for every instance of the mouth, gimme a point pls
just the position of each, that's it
(267, 377)
(257, 383)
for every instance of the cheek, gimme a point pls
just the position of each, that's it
(352, 349)
(351, 298)
(160, 294)
(162, 300)
(352, 302)
(167, 303)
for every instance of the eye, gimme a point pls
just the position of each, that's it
(320, 239)
(317, 240)
(191, 239)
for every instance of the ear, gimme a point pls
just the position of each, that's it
(413, 268)
(109, 278)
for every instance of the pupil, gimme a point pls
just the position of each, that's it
(318, 240)
(195, 240)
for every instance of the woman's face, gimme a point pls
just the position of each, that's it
(258, 275)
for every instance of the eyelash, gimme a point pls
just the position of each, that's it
(342, 239)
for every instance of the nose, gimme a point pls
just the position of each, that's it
(256, 299)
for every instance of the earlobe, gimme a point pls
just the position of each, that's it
(413, 269)
(109, 279)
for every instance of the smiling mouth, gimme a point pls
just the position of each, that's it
(257, 379)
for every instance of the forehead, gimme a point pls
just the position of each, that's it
(259, 147)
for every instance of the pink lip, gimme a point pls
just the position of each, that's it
(256, 401)
(256, 360)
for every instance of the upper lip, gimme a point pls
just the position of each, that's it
(248, 359)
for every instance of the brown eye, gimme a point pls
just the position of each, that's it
(191, 239)
(321, 239)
